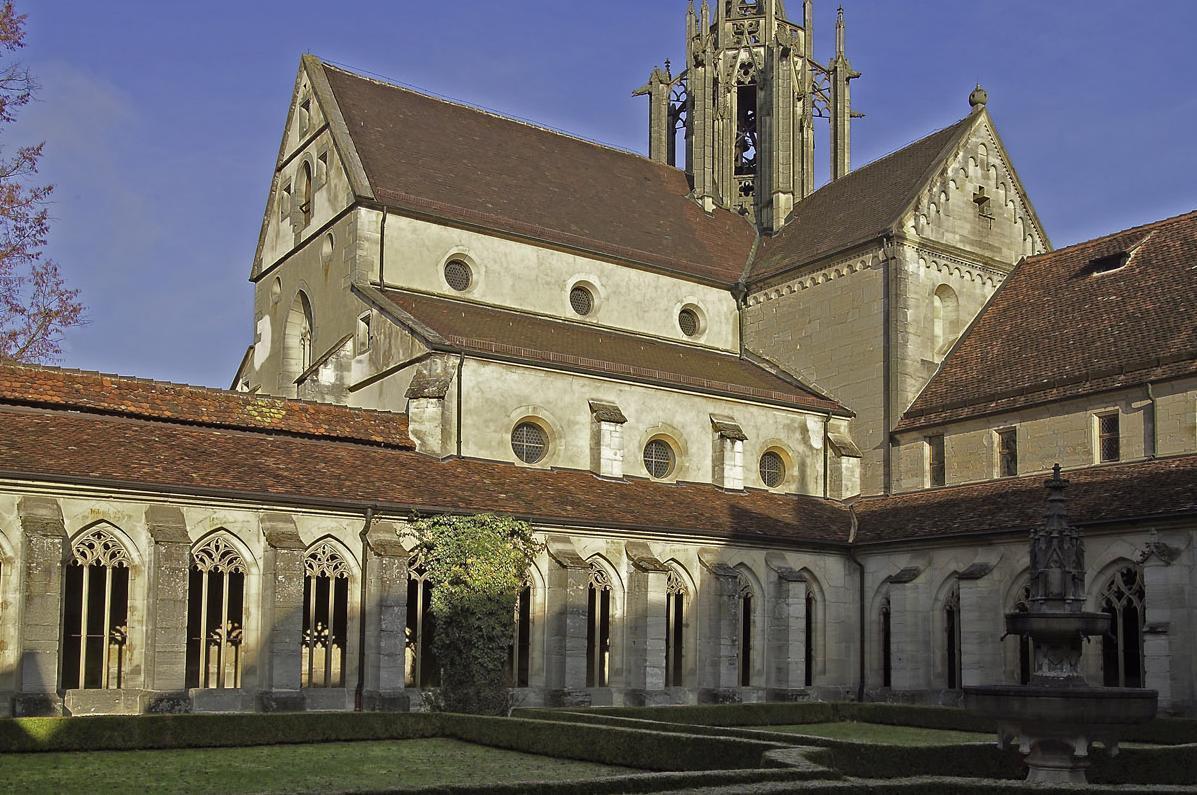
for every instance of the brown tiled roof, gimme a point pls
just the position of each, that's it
(22, 385)
(1055, 329)
(62, 446)
(1104, 494)
(431, 156)
(857, 208)
(582, 346)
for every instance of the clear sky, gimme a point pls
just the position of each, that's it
(162, 120)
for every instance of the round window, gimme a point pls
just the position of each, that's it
(689, 322)
(773, 469)
(458, 275)
(659, 459)
(581, 300)
(529, 442)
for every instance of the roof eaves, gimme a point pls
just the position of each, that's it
(377, 299)
(342, 138)
(962, 129)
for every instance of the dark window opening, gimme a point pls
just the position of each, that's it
(951, 614)
(808, 660)
(746, 130)
(745, 638)
(423, 669)
(215, 616)
(937, 467)
(1108, 438)
(1122, 646)
(598, 629)
(675, 601)
(886, 646)
(95, 626)
(1007, 453)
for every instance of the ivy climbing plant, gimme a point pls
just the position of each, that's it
(477, 566)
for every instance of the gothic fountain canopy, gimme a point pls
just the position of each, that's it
(1058, 715)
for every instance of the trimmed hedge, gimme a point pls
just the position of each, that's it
(732, 780)
(731, 714)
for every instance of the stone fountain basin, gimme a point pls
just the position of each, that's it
(1070, 709)
(1057, 625)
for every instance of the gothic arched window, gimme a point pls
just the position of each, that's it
(808, 653)
(675, 623)
(297, 352)
(215, 615)
(887, 640)
(325, 617)
(1122, 647)
(951, 625)
(746, 627)
(423, 668)
(598, 628)
(945, 319)
(96, 616)
(305, 194)
(519, 655)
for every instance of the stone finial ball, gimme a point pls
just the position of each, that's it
(979, 97)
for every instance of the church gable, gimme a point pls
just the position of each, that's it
(973, 201)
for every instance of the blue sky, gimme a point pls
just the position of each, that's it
(162, 121)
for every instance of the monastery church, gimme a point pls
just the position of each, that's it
(781, 441)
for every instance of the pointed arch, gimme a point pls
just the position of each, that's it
(216, 611)
(328, 569)
(679, 606)
(297, 338)
(520, 651)
(95, 627)
(422, 669)
(815, 645)
(1123, 597)
(603, 592)
(882, 657)
(945, 319)
(751, 626)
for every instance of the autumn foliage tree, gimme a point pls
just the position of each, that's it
(35, 304)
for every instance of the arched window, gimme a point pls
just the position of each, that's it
(423, 668)
(598, 628)
(325, 617)
(951, 626)
(945, 319)
(1122, 647)
(887, 641)
(519, 656)
(746, 627)
(675, 623)
(305, 194)
(96, 617)
(1026, 649)
(297, 356)
(808, 659)
(215, 615)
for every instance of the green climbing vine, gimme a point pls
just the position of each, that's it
(477, 567)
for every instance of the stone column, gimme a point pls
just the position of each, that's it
(982, 624)
(167, 590)
(567, 624)
(786, 630)
(719, 643)
(1165, 587)
(646, 604)
(384, 612)
(910, 658)
(42, 554)
(282, 598)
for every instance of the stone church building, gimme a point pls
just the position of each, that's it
(781, 441)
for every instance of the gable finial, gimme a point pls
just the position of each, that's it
(979, 98)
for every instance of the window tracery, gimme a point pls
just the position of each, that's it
(746, 627)
(423, 668)
(1026, 649)
(326, 617)
(598, 629)
(519, 655)
(1123, 599)
(951, 615)
(676, 595)
(95, 622)
(215, 615)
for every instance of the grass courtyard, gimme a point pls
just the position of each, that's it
(881, 734)
(325, 767)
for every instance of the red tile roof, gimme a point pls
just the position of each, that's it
(462, 164)
(139, 453)
(1056, 329)
(583, 346)
(22, 385)
(1097, 495)
(858, 207)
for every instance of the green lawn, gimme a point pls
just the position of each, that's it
(881, 734)
(289, 768)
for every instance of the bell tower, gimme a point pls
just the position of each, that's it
(747, 101)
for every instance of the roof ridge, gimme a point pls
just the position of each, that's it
(382, 80)
(1150, 226)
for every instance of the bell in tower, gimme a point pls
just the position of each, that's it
(747, 102)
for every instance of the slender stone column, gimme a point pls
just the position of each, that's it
(981, 619)
(1165, 588)
(282, 597)
(719, 644)
(787, 628)
(384, 611)
(567, 624)
(42, 554)
(166, 658)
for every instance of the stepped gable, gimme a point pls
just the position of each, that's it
(1155, 489)
(99, 393)
(460, 164)
(1101, 315)
(582, 346)
(857, 208)
(137, 453)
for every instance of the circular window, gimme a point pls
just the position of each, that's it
(582, 300)
(529, 442)
(659, 459)
(773, 469)
(458, 275)
(689, 322)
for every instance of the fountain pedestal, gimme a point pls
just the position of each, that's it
(1057, 716)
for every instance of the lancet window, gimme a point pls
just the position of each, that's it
(887, 645)
(423, 669)
(746, 627)
(1123, 600)
(675, 622)
(951, 624)
(215, 615)
(519, 656)
(325, 617)
(808, 661)
(598, 628)
(96, 618)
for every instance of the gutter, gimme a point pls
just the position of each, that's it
(887, 396)
(359, 691)
(860, 605)
(460, 397)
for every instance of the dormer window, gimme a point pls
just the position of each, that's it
(1108, 263)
